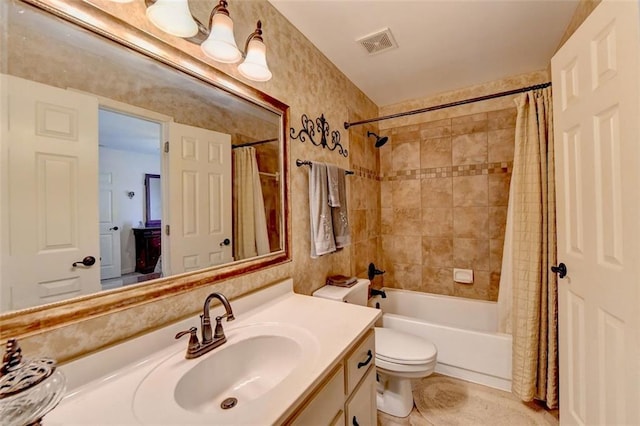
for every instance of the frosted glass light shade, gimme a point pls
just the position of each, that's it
(255, 65)
(173, 17)
(221, 44)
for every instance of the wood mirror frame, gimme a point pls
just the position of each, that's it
(34, 320)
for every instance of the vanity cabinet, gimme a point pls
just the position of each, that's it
(327, 403)
(347, 396)
(148, 248)
(361, 407)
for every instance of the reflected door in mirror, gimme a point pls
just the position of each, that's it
(52, 168)
(200, 194)
(110, 256)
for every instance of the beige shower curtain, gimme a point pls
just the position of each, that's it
(535, 295)
(250, 224)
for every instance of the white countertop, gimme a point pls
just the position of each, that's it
(102, 387)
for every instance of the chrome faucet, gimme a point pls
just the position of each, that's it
(209, 342)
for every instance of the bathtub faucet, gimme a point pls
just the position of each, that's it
(381, 293)
(373, 271)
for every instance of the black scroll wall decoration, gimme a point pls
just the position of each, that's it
(321, 127)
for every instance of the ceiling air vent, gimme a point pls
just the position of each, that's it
(378, 42)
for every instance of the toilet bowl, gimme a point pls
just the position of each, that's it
(400, 356)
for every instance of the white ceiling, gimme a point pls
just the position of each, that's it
(442, 45)
(127, 133)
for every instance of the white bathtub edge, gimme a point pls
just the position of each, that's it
(473, 376)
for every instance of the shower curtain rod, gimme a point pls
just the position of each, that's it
(254, 143)
(449, 105)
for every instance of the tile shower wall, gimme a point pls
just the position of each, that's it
(364, 198)
(445, 189)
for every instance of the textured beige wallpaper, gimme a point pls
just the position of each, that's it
(44, 58)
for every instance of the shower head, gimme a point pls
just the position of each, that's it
(379, 140)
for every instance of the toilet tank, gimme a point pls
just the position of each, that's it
(357, 294)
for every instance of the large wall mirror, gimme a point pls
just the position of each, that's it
(86, 118)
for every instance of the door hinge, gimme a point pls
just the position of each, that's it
(166, 146)
(167, 230)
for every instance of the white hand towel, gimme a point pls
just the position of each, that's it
(338, 202)
(322, 239)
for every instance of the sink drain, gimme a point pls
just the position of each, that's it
(229, 403)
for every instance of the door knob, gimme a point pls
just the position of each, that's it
(115, 228)
(561, 270)
(225, 242)
(87, 261)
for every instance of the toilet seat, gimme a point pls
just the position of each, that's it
(396, 347)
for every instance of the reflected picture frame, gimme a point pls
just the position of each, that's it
(152, 201)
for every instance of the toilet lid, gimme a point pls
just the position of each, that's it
(402, 348)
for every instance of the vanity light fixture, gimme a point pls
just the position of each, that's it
(254, 66)
(172, 17)
(217, 41)
(220, 45)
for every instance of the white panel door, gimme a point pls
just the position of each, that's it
(50, 195)
(595, 79)
(110, 257)
(200, 198)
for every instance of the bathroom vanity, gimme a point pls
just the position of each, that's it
(348, 395)
(148, 248)
(288, 359)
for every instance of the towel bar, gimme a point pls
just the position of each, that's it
(301, 163)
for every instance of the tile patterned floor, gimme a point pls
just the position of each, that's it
(466, 404)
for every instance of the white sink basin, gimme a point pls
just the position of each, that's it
(250, 369)
(244, 371)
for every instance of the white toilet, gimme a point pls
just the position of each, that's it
(400, 357)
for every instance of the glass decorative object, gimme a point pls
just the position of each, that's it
(29, 389)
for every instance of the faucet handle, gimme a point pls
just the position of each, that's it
(194, 344)
(219, 331)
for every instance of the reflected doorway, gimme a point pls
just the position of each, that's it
(129, 149)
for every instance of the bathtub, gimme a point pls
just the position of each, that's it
(463, 330)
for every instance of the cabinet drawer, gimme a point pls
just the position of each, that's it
(359, 361)
(361, 408)
(323, 409)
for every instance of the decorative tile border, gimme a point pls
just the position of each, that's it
(436, 172)
(365, 173)
(452, 171)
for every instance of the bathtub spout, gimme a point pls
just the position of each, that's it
(381, 293)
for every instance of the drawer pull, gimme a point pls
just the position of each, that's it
(369, 358)
(355, 421)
